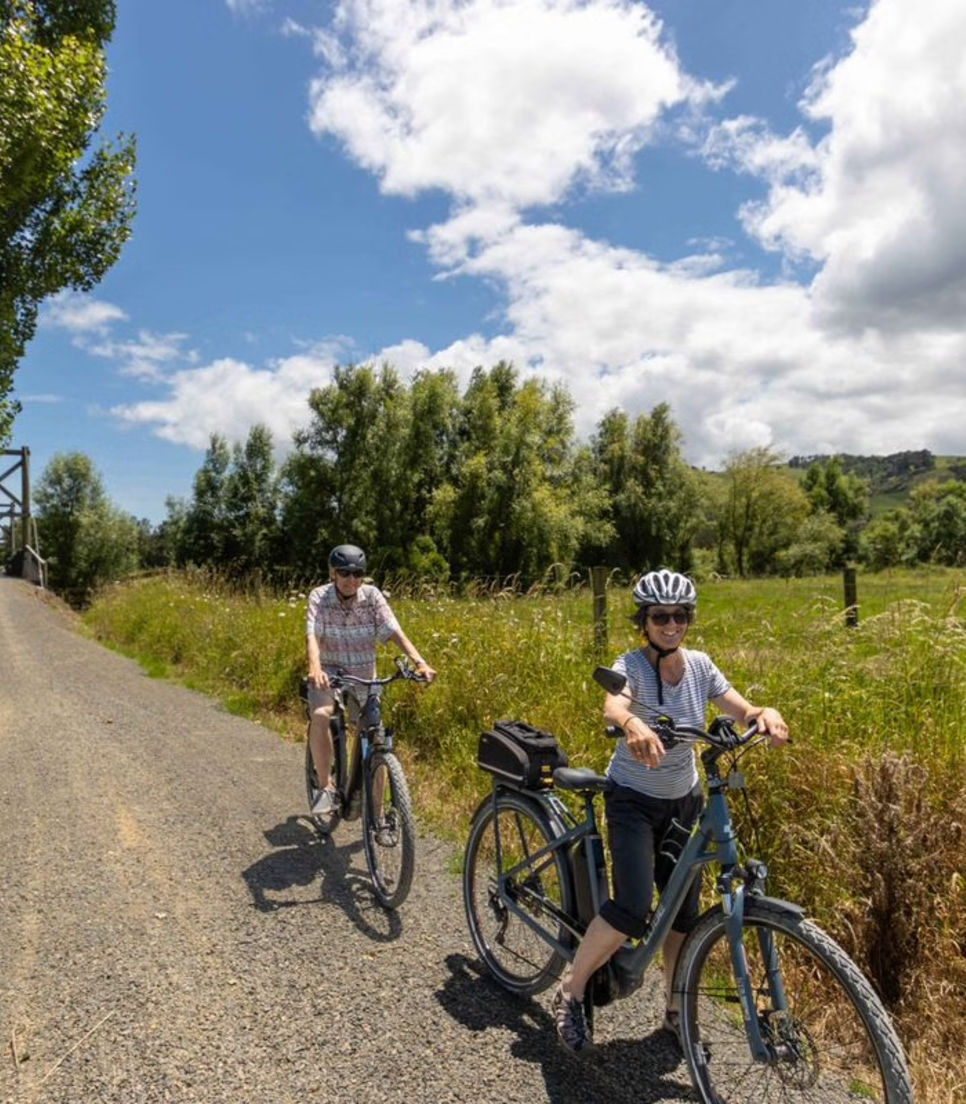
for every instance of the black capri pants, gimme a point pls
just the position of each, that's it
(637, 826)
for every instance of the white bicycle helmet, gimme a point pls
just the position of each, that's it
(665, 588)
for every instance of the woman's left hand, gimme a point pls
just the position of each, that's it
(773, 723)
(424, 669)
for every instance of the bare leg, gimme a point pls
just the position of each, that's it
(598, 944)
(671, 950)
(320, 741)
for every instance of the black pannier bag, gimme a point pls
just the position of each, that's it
(518, 754)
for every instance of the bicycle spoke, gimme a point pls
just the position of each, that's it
(388, 830)
(831, 1042)
(518, 956)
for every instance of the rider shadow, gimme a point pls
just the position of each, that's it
(301, 858)
(622, 1071)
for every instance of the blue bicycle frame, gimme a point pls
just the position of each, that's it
(712, 841)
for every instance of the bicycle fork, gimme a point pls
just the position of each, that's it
(733, 900)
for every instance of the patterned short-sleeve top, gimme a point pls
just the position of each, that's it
(686, 703)
(348, 632)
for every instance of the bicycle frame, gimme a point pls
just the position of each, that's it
(370, 734)
(558, 814)
(712, 841)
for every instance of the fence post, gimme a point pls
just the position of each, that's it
(598, 582)
(851, 596)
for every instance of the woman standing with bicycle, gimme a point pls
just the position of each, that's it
(654, 789)
(345, 620)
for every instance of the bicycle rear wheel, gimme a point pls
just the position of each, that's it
(518, 957)
(326, 822)
(389, 830)
(832, 1043)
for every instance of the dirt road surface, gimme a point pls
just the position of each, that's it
(172, 931)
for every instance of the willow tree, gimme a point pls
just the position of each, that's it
(516, 503)
(65, 206)
(760, 512)
(88, 541)
(653, 494)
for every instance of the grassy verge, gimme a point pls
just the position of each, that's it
(861, 818)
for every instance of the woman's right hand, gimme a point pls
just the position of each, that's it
(643, 743)
(318, 677)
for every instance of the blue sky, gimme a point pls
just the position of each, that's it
(749, 209)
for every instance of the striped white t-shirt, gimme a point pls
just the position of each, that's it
(685, 703)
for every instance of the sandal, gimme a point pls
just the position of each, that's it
(672, 1024)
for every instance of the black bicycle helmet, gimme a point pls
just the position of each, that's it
(347, 557)
(665, 588)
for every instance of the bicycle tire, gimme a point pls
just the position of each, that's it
(835, 1043)
(389, 831)
(516, 955)
(326, 822)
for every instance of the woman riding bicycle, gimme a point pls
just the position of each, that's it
(345, 620)
(651, 787)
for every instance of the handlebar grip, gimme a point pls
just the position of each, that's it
(666, 735)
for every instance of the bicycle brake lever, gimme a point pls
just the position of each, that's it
(665, 734)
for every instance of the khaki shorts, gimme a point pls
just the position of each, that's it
(320, 697)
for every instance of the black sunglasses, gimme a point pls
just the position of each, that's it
(349, 573)
(680, 617)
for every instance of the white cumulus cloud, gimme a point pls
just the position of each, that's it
(80, 314)
(509, 106)
(880, 207)
(229, 396)
(509, 102)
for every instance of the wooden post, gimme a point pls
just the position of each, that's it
(598, 582)
(851, 596)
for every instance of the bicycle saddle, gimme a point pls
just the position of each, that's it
(581, 779)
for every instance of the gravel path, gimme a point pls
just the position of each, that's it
(173, 931)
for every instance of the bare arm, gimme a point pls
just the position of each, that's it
(316, 675)
(642, 740)
(769, 719)
(406, 645)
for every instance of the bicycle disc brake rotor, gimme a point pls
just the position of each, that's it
(795, 1053)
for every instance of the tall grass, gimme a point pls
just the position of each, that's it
(860, 818)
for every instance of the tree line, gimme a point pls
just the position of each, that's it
(489, 482)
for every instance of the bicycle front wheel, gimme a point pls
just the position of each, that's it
(389, 830)
(830, 1041)
(515, 953)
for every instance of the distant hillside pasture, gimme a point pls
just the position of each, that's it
(861, 817)
(891, 478)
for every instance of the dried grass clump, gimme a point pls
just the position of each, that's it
(907, 912)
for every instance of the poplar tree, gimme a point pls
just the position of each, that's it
(65, 206)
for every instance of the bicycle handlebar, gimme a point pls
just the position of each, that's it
(721, 733)
(403, 671)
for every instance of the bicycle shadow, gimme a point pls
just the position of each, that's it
(303, 857)
(645, 1070)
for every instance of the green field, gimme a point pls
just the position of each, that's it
(860, 818)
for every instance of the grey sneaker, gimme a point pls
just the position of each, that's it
(324, 802)
(672, 1025)
(385, 836)
(568, 1014)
